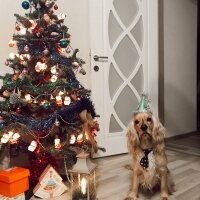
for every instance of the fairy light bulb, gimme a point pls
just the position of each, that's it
(58, 98)
(10, 133)
(28, 97)
(16, 136)
(43, 66)
(5, 138)
(61, 93)
(22, 31)
(67, 100)
(32, 146)
(72, 139)
(11, 43)
(12, 56)
(54, 78)
(53, 70)
(80, 138)
(61, 16)
(57, 143)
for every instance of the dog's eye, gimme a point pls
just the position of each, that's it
(136, 121)
(149, 119)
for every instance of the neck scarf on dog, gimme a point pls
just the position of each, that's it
(144, 162)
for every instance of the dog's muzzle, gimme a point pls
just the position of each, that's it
(144, 127)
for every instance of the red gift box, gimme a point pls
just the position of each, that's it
(14, 181)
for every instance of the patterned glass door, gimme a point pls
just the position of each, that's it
(119, 66)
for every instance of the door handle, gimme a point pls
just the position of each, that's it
(96, 58)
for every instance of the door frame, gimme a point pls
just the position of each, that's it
(95, 13)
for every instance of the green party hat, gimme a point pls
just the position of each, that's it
(144, 104)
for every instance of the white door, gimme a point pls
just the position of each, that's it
(124, 63)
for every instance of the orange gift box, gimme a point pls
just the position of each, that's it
(14, 181)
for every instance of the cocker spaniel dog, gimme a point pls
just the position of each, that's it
(146, 145)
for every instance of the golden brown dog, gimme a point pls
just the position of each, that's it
(146, 145)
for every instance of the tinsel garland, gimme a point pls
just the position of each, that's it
(70, 114)
(26, 84)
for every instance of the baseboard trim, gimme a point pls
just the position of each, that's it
(184, 135)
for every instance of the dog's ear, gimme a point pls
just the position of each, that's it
(158, 135)
(132, 137)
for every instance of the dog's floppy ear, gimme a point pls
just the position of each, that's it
(132, 137)
(158, 135)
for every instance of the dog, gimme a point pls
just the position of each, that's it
(145, 137)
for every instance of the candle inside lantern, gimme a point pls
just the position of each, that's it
(83, 185)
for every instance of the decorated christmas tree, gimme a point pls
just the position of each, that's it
(45, 111)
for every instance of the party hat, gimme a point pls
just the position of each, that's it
(144, 104)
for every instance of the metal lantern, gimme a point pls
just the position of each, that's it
(83, 179)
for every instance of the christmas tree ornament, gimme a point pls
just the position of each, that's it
(33, 24)
(15, 76)
(25, 5)
(2, 122)
(75, 64)
(57, 123)
(18, 110)
(18, 28)
(46, 18)
(26, 48)
(46, 51)
(67, 100)
(12, 43)
(64, 43)
(61, 16)
(14, 98)
(46, 105)
(15, 138)
(82, 71)
(48, 3)
(35, 30)
(6, 93)
(33, 145)
(55, 7)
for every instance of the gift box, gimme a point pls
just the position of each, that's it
(50, 184)
(14, 181)
(18, 197)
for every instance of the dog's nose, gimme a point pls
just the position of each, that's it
(143, 127)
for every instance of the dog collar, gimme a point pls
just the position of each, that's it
(144, 162)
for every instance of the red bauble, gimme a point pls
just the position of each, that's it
(18, 110)
(49, 13)
(18, 28)
(56, 7)
(35, 30)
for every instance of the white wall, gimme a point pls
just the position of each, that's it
(77, 21)
(180, 41)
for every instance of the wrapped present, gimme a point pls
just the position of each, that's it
(14, 181)
(50, 184)
(18, 197)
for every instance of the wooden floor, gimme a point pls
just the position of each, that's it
(184, 162)
(113, 179)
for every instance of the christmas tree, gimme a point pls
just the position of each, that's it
(45, 111)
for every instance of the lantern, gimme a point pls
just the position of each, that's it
(83, 178)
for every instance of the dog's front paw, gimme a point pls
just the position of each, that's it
(164, 198)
